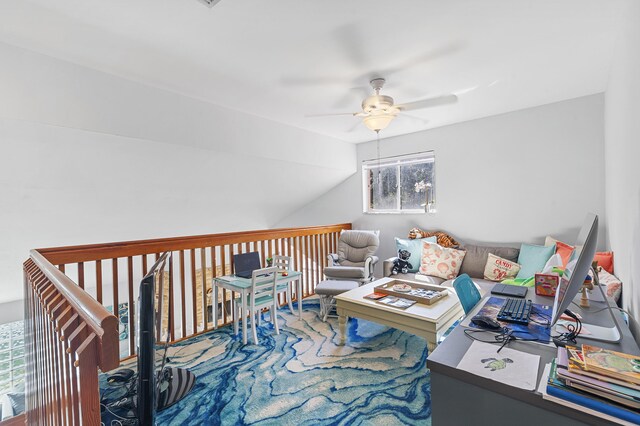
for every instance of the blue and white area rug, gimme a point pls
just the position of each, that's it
(302, 377)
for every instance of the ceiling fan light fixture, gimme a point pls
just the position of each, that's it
(377, 122)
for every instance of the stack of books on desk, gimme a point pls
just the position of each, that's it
(598, 379)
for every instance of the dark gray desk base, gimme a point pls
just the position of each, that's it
(461, 398)
(461, 403)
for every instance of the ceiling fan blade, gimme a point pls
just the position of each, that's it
(331, 114)
(425, 57)
(426, 103)
(413, 118)
(353, 97)
(312, 81)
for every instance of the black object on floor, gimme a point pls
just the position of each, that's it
(173, 385)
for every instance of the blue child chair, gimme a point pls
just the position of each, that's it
(467, 292)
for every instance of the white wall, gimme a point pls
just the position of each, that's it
(89, 157)
(622, 152)
(510, 178)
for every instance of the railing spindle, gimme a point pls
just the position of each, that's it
(132, 308)
(183, 292)
(99, 281)
(81, 274)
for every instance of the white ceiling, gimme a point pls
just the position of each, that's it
(284, 59)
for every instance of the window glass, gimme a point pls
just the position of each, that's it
(403, 184)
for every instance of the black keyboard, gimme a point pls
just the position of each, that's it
(515, 310)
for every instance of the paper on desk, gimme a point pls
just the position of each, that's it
(511, 367)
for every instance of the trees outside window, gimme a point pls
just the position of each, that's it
(403, 184)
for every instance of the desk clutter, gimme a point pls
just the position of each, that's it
(603, 381)
(537, 329)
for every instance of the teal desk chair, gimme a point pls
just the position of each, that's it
(467, 292)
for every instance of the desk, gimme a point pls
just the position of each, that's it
(243, 286)
(461, 398)
(427, 321)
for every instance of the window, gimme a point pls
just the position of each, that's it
(11, 355)
(403, 184)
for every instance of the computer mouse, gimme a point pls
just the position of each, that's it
(486, 322)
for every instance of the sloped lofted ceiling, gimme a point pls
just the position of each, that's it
(286, 59)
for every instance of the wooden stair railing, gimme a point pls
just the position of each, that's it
(196, 260)
(70, 334)
(68, 337)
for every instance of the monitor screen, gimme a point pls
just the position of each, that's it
(577, 268)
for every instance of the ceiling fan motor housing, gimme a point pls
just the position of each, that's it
(377, 103)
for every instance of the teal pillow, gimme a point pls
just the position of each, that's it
(415, 248)
(532, 259)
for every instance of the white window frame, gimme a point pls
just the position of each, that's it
(397, 161)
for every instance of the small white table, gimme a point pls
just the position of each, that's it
(427, 321)
(243, 286)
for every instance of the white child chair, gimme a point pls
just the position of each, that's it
(263, 295)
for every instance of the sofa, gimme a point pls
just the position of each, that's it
(473, 264)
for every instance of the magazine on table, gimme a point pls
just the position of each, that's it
(396, 302)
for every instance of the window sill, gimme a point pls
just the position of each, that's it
(398, 213)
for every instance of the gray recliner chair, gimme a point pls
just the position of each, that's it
(355, 259)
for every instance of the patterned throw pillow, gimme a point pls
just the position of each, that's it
(415, 248)
(498, 269)
(440, 261)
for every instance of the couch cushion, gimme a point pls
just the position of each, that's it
(415, 248)
(428, 279)
(532, 259)
(440, 261)
(605, 259)
(563, 249)
(498, 268)
(485, 286)
(476, 258)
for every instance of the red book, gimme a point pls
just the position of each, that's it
(375, 296)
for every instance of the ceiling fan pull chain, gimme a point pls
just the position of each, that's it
(378, 149)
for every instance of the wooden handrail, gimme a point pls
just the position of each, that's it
(68, 337)
(89, 252)
(101, 322)
(70, 334)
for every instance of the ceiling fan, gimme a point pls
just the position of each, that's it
(379, 110)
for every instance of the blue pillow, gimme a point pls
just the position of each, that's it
(415, 248)
(532, 259)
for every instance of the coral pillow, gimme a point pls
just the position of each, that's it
(498, 269)
(563, 249)
(605, 259)
(440, 261)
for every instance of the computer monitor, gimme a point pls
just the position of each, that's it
(574, 277)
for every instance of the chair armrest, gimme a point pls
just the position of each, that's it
(332, 259)
(387, 266)
(369, 264)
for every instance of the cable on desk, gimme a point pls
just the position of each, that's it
(573, 331)
(503, 336)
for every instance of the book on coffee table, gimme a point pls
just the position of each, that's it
(396, 302)
(375, 296)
